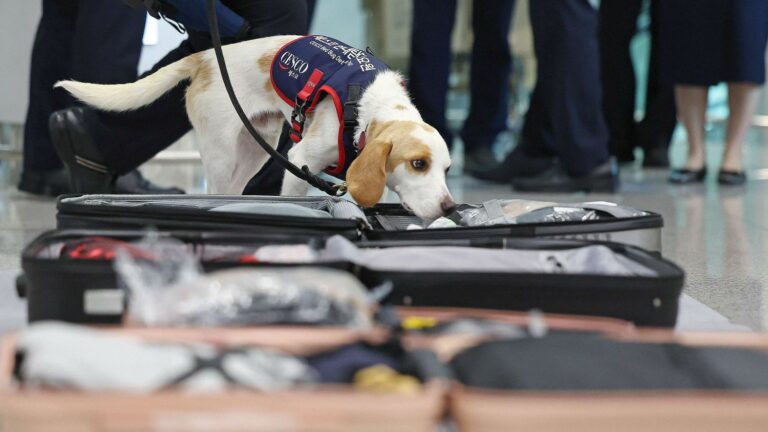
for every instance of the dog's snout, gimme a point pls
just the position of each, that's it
(448, 205)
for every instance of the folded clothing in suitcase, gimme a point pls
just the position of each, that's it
(556, 276)
(329, 215)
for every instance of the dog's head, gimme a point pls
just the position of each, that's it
(409, 157)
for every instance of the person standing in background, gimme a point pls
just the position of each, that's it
(564, 142)
(703, 43)
(491, 63)
(88, 40)
(618, 26)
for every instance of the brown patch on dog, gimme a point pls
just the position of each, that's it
(202, 71)
(405, 147)
(401, 107)
(265, 62)
(201, 77)
(268, 87)
(366, 177)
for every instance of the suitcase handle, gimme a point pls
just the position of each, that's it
(21, 286)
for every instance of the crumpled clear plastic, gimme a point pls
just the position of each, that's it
(558, 214)
(517, 211)
(495, 212)
(171, 290)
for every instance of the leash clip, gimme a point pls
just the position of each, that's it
(341, 189)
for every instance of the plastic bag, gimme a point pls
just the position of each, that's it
(516, 211)
(171, 290)
(496, 212)
(558, 214)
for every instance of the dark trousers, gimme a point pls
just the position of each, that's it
(618, 25)
(490, 67)
(87, 40)
(132, 138)
(565, 117)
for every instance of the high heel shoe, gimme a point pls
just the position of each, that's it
(686, 176)
(731, 178)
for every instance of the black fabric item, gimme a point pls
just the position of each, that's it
(132, 138)
(341, 365)
(86, 40)
(590, 362)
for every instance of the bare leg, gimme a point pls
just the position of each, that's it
(692, 112)
(742, 103)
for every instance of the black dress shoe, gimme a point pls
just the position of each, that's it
(134, 183)
(45, 183)
(479, 160)
(686, 176)
(516, 164)
(88, 171)
(604, 178)
(731, 178)
(657, 157)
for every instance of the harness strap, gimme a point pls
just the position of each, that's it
(298, 116)
(354, 93)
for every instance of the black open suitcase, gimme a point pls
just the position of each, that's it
(83, 290)
(382, 222)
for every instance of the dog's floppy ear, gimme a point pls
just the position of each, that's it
(367, 175)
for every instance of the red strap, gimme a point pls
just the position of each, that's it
(309, 87)
(300, 108)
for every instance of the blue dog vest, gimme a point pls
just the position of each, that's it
(306, 69)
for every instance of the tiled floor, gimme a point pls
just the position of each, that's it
(718, 235)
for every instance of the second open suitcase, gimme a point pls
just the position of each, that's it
(69, 275)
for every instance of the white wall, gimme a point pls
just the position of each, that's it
(18, 23)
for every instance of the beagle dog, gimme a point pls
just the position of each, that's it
(400, 150)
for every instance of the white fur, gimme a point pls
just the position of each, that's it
(231, 158)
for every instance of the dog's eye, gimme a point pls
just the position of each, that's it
(419, 164)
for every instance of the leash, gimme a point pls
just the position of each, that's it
(303, 172)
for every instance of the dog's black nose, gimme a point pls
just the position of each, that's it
(448, 206)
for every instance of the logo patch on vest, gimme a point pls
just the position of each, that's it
(293, 64)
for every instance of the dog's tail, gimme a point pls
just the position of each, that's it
(126, 97)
